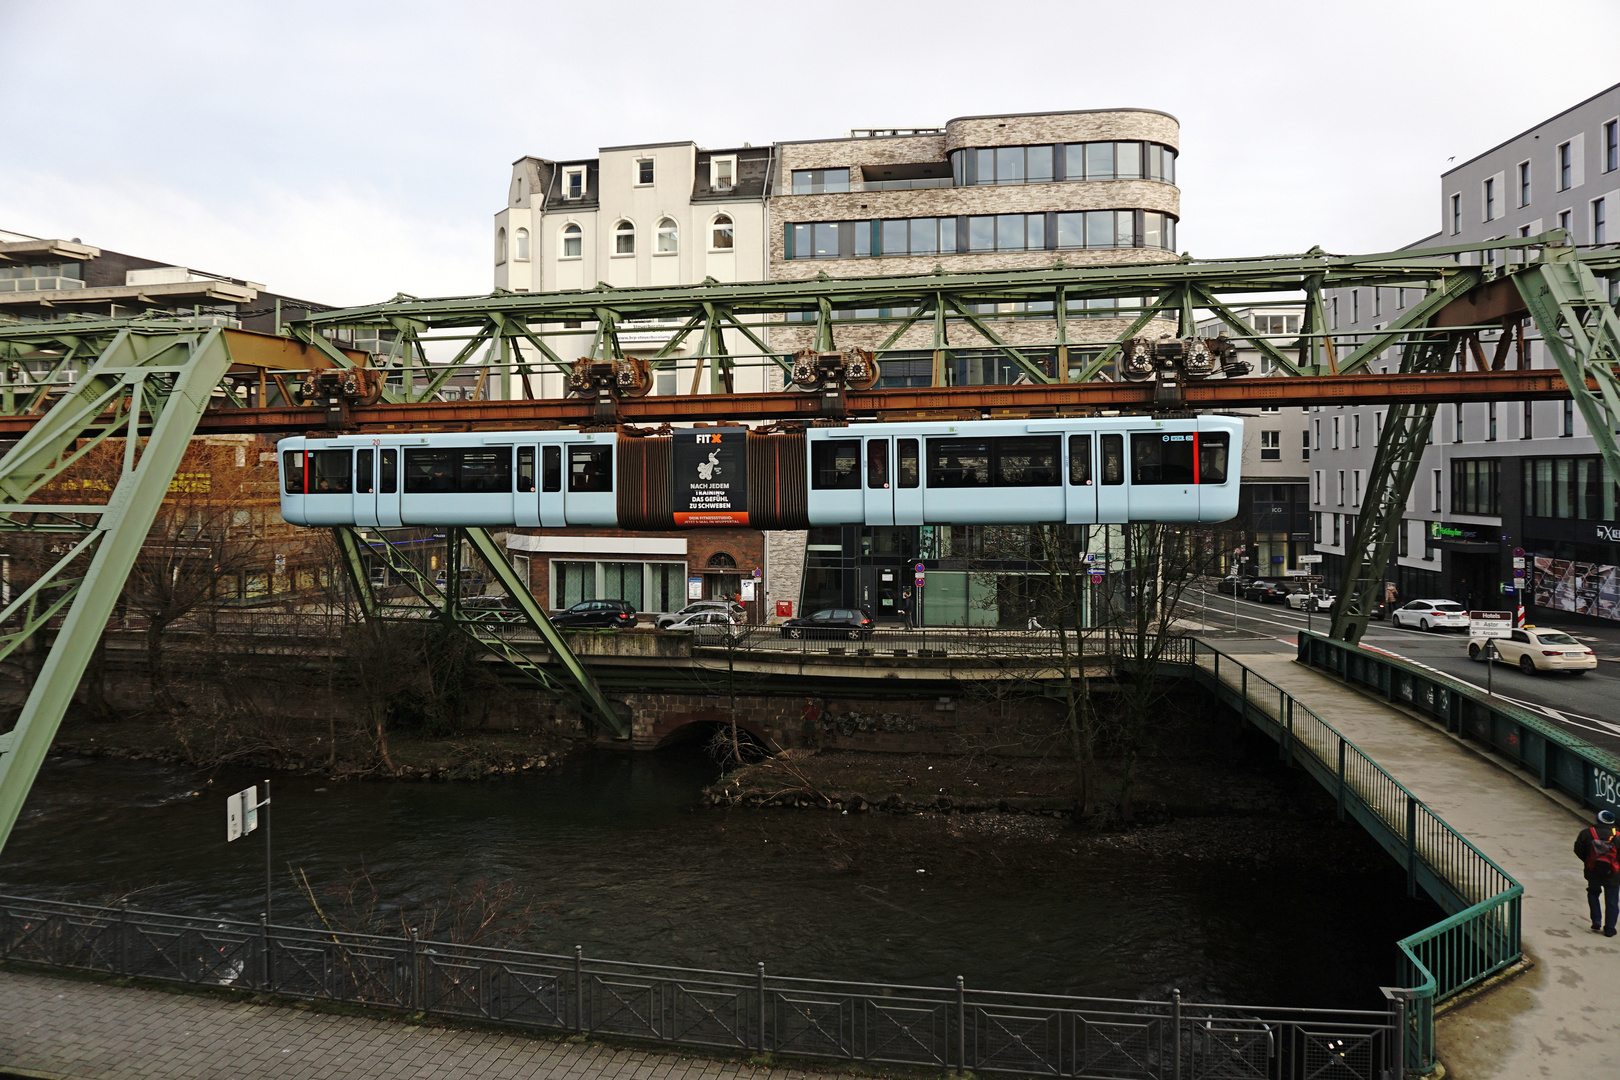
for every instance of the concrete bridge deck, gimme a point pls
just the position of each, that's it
(1559, 1018)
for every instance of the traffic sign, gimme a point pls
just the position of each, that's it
(1308, 579)
(241, 813)
(1096, 577)
(918, 568)
(1308, 560)
(1490, 624)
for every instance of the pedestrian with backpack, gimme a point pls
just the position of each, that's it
(1599, 848)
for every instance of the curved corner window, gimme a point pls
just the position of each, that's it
(624, 238)
(669, 237)
(573, 242)
(500, 245)
(520, 245)
(721, 237)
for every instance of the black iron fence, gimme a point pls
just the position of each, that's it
(930, 1027)
(934, 643)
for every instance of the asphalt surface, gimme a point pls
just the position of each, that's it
(1588, 706)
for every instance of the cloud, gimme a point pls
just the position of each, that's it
(331, 242)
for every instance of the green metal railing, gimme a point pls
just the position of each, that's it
(1480, 935)
(1561, 761)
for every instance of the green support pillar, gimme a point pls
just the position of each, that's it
(168, 377)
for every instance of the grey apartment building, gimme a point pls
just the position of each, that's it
(1503, 475)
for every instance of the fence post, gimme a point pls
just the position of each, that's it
(1411, 845)
(761, 1046)
(123, 937)
(579, 988)
(1341, 777)
(1243, 689)
(961, 1025)
(265, 980)
(1175, 1035)
(1285, 712)
(414, 951)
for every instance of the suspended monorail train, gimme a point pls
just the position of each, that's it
(1079, 471)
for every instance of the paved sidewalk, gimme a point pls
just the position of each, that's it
(1559, 1020)
(80, 1030)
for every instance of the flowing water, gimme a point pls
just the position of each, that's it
(617, 857)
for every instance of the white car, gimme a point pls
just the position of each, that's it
(669, 619)
(1534, 650)
(1305, 601)
(709, 623)
(1432, 615)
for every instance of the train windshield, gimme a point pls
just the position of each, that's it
(835, 464)
(1212, 454)
(331, 472)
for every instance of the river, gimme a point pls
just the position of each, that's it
(617, 857)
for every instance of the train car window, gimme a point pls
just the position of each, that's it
(525, 468)
(1162, 459)
(1080, 459)
(458, 471)
(590, 468)
(331, 472)
(955, 463)
(1113, 459)
(877, 463)
(909, 465)
(363, 467)
(292, 471)
(551, 468)
(835, 464)
(390, 472)
(1213, 448)
(1027, 461)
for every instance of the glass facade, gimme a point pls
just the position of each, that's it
(1046, 163)
(972, 234)
(1568, 488)
(1474, 486)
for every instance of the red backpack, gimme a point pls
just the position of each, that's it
(1602, 855)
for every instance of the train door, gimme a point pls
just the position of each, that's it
(1080, 488)
(551, 486)
(388, 487)
(365, 486)
(1113, 505)
(526, 494)
(908, 492)
(879, 497)
(1163, 482)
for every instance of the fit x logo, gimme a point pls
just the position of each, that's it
(1608, 532)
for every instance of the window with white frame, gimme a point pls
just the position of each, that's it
(644, 171)
(1565, 220)
(1439, 490)
(1271, 408)
(1457, 422)
(1566, 167)
(1490, 422)
(669, 237)
(1341, 487)
(1305, 452)
(649, 586)
(520, 245)
(1316, 476)
(722, 173)
(1316, 430)
(1524, 183)
(573, 242)
(1527, 425)
(624, 238)
(1600, 221)
(573, 184)
(1611, 146)
(1488, 198)
(1355, 431)
(1338, 523)
(1569, 419)
(1402, 533)
(1355, 489)
(1271, 446)
(500, 245)
(1318, 517)
(722, 234)
(1338, 425)
(1456, 214)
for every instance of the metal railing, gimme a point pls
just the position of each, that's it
(1560, 760)
(1480, 935)
(931, 1027)
(945, 642)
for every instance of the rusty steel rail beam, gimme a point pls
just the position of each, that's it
(957, 402)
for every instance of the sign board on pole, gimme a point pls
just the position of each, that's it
(784, 609)
(748, 589)
(694, 588)
(1307, 579)
(918, 579)
(1096, 578)
(758, 572)
(1301, 572)
(1490, 624)
(1091, 556)
(241, 813)
(710, 472)
(1308, 560)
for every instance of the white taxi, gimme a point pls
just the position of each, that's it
(1534, 650)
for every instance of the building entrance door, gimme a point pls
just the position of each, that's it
(882, 590)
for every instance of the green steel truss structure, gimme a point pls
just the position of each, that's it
(79, 382)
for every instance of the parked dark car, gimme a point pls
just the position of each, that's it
(829, 622)
(619, 614)
(1234, 586)
(493, 608)
(1266, 592)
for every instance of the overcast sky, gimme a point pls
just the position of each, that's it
(343, 152)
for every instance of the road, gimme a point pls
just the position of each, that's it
(1585, 705)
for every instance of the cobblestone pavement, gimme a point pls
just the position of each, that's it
(72, 1029)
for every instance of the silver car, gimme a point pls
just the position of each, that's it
(670, 618)
(708, 624)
